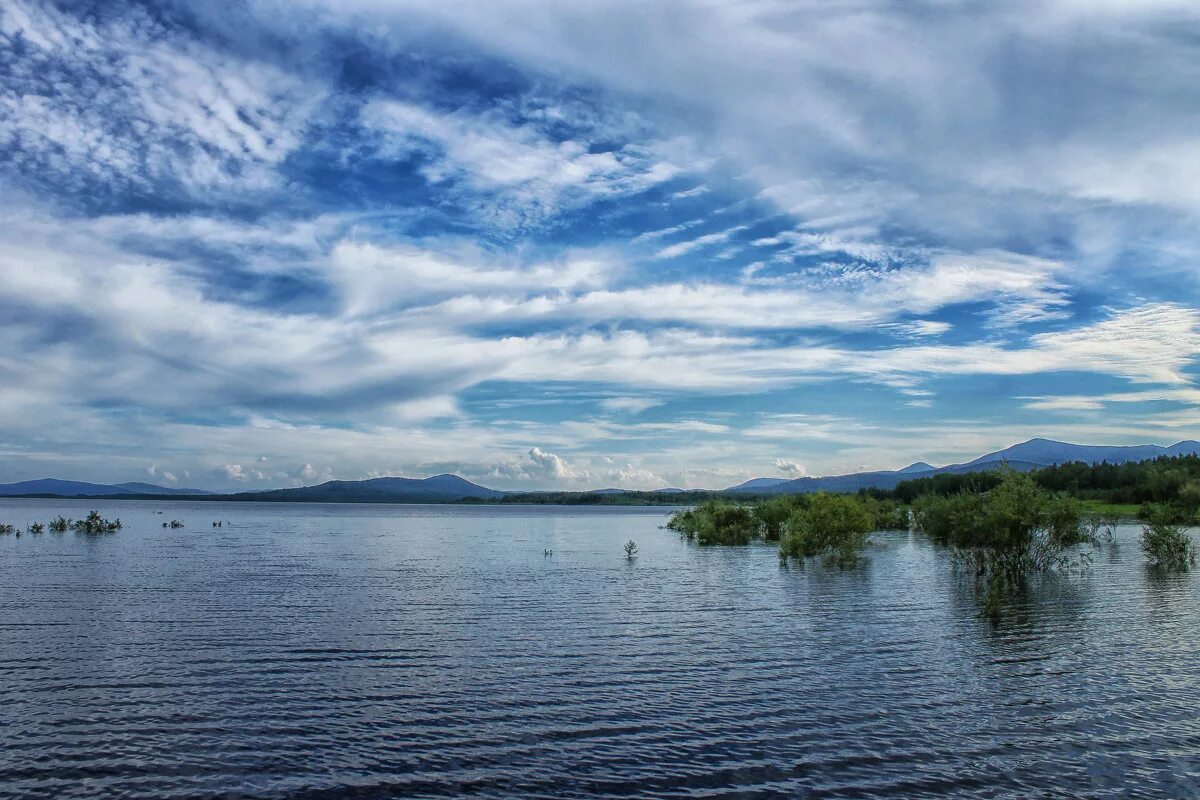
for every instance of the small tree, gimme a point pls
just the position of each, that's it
(631, 549)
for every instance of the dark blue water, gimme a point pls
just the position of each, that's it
(370, 651)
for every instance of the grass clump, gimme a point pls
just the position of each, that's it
(1166, 544)
(834, 526)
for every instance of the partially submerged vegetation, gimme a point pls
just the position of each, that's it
(1166, 545)
(832, 526)
(999, 529)
(93, 523)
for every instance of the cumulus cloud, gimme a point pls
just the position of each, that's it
(791, 469)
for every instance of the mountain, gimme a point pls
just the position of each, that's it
(1048, 451)
(149, 488)
(757, 485)
(59, 487)
(1022, 457)
(380, 490)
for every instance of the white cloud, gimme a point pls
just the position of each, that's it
(535, 176)
(122, 99)
(790, 469)
(633, 405)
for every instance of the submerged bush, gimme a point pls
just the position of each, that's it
(773, 515)
(60, 524)
(94, 523)
(835, 526)
(1013, 529)
(1166, 544)
(889, 515)
(37, 528)
(6, 527)
(716, 522)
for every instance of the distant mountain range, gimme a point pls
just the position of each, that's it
(61, 488)
(1024, 457)
(442, 488)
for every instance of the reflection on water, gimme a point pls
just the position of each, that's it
(367, 651)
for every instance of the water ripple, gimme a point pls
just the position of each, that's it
(376, 652)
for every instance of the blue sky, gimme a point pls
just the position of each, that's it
(557, 245)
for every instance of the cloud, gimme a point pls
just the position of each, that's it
(790, 469)
(123, 102)
(633, 405)
(531, 175)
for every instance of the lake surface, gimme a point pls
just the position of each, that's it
(334, 651)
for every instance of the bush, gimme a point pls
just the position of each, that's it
(60, 524)
(37, 528)
(94, 523)
(1166, 544)
(889, 515)
(6, 527)
(716, 522)
(773, 515)
(1014, 528)
(836, 526)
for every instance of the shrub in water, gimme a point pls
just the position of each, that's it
(889, 515)
(60, 524)
(1013, 529)
(715, 522)
(773, 514)
(6, 528)
(836, 526)
(94, 523)
(1166, 544)
(37, 527)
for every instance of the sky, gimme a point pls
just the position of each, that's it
(551, 245)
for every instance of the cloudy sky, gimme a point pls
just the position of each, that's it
(614, 243)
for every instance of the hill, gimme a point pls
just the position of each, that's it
(438, 488)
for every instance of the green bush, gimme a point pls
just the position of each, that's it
(716, 522)
(94, 523)
(60, 524)
(773, 514)
(889, 514)
(1166, 544)
(1013, 528)
(836, 526)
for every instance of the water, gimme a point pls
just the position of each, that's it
(325, 651)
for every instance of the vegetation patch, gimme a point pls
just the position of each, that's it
(1166, 544)
(834, 526)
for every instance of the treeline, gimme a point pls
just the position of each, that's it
(1171, 481)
